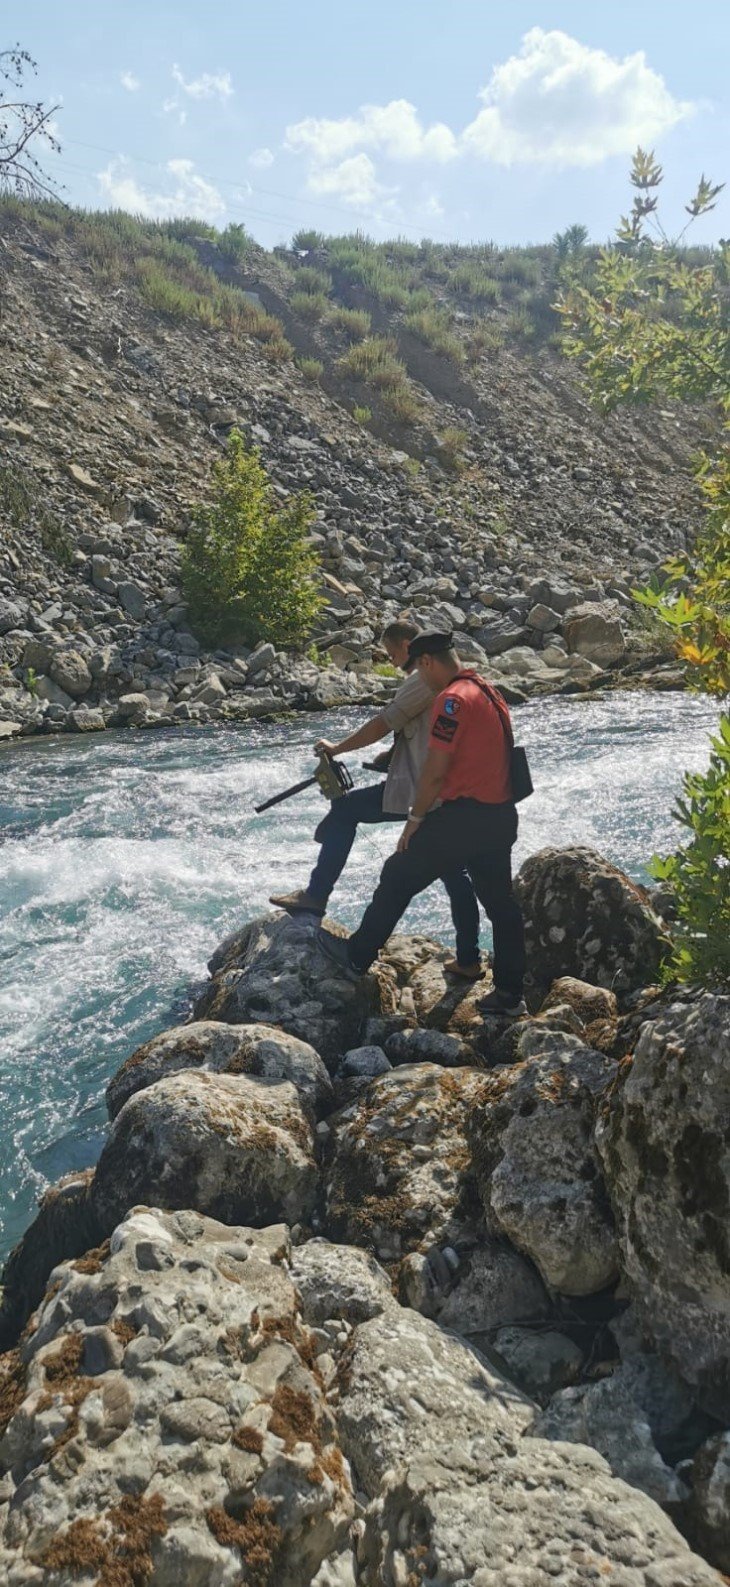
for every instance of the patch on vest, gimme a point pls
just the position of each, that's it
(452, 705)
(444, 729)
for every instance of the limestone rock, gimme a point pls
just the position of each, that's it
(709, 1508)
(544, 1513)
(608, 1415)
(231, 1146)
(164, 1406)
(64, 1226)
(70, 672)
(588, 1002)
(493, 1285)
(584, 918)
(539, 1361)
(408, 1386)
(224, 1049)
(663, 1143)
(594, 630)
(398, 1169)
(339, 1281)
(539, 1178)
(46, 689)
(273, 972)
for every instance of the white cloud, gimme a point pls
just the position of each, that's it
(171, 107)
(354, 181)
(394, 129)
(261, 159)
(130, 82)
(186, 194)
(210, 85)
(562, 103)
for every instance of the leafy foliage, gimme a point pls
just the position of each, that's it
(655, 324)
(248, 572)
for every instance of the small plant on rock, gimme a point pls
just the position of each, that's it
(248, 572)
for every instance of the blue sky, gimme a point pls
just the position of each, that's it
(455, 119)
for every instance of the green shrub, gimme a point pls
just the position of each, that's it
(698, 875)
(375, 362)
(305, 241)
(312, 369)
(362, 415)
(235, 243)
(472, 281)
(248, 572)
(451, 447)
(355, 323)
(521, 325)
(308, 305)
(278, 350)
(486, 336)
(169, 296)
(434, 328)
(401, 404)
(307, 279)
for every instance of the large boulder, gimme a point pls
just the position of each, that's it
(69, 670)
(610, 1416)
(224, 1049)
(231, 1146)
(273, 973)
(492, 1286)
(454, 1516)
(664, 1145)
(162, 1423)
(339, 1281)
(594, 630)
(584, 918)
(538, 1174)
(709, 1508)
(459, 1496)
(66, 1224)
(398, 1170)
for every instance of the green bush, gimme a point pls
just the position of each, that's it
(375, 362)
(312, 369)
(235, 243)
(451, 448)
(170, 296)
(472, 281)
(307, 279)
(434, 329)
(698, 875)
(362, 415)
(305, 241)
(355, 323)
(486, 337)
(308, 305)
(248, 572)
(401, 404)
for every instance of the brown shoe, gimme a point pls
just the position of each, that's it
(299, 903)
(465, 972)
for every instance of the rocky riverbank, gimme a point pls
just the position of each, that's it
(365, 1293)
(112, 414)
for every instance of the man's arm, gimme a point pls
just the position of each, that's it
(369, 733)
(429, 788)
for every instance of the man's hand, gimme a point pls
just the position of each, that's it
(406, 835)
(323, 747)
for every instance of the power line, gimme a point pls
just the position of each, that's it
(221, 181)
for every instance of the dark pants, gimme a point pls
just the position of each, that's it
(336, 833)
(461, 834)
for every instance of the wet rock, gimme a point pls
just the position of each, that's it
(585, 919)
(538, 1174)
(224, 1049)
(398, 1168)
(202, 1443)
(663, 1142)
(272, 972)
(65, 1226)
(231, 1146)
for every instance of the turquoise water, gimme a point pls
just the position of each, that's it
(125, 859)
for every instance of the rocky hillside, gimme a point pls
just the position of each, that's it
(365, 1291)
(457, 468)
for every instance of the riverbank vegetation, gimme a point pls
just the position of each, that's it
(655, 324)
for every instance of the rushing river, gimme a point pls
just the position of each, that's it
(125, 859)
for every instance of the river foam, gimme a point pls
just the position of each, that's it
(126, 858)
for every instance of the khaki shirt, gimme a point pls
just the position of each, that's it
(409, 716)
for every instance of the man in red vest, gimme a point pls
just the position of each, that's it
(463, 814)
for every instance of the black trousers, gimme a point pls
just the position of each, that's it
(461, 833)
(336, 833)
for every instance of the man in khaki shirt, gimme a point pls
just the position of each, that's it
(408, 716)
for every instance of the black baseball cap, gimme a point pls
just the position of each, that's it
(431, 643)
